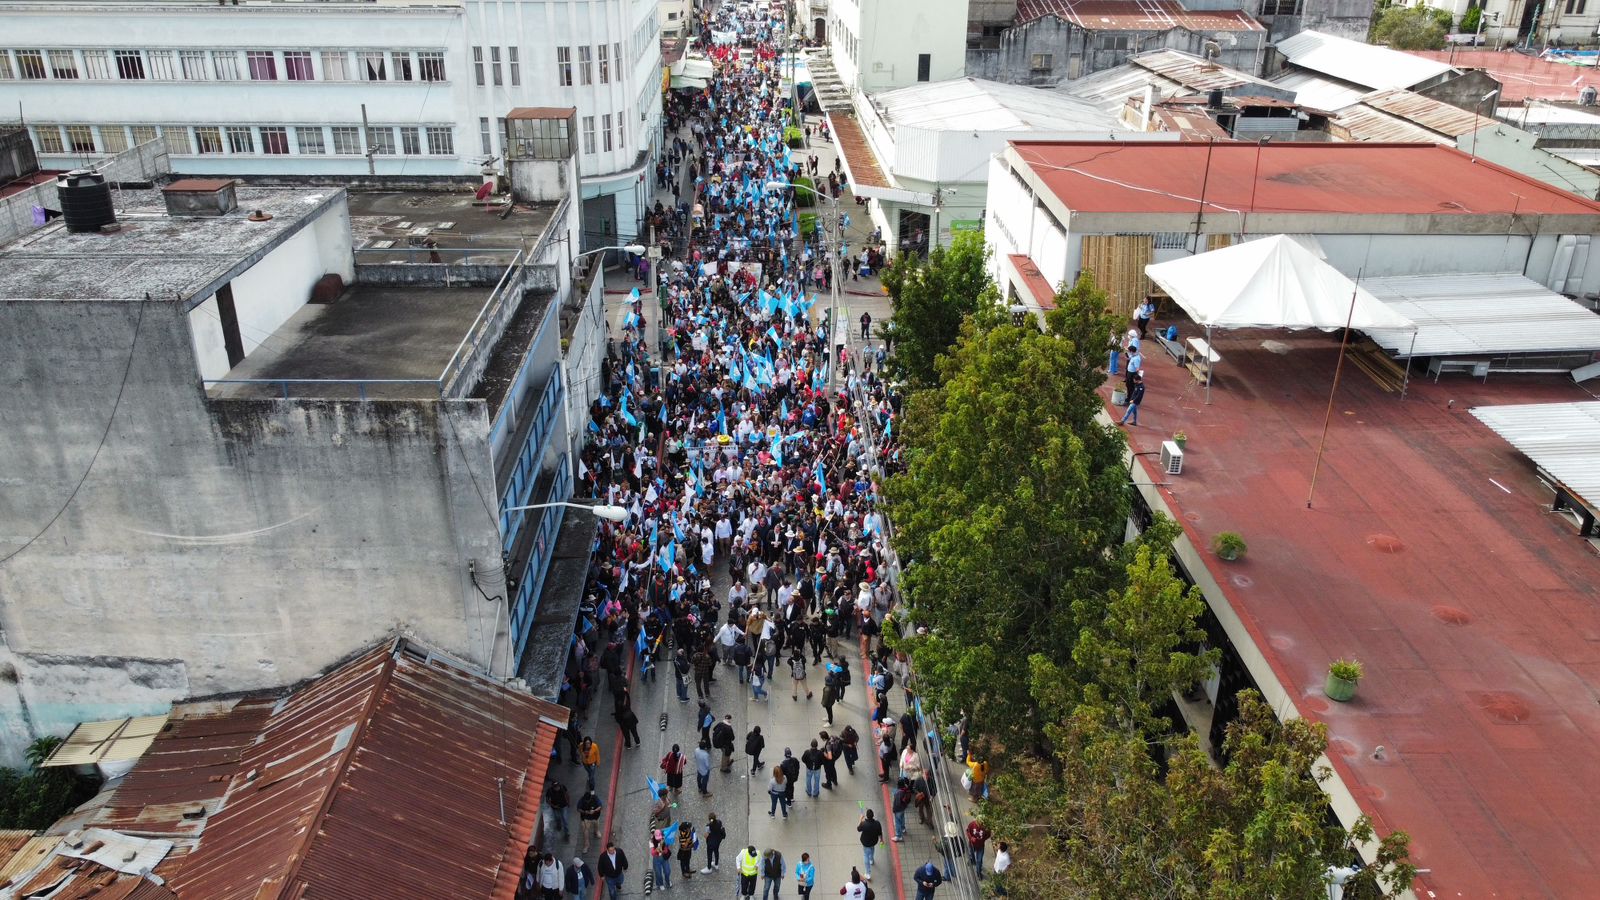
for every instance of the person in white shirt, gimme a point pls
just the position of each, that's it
(727, 637)
(1002, 862)
(738, 595)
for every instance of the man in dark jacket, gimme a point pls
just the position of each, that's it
(754, 743)
(580, 878)
(928, 878)
(613, 864)
(722, 739)
(791, 773)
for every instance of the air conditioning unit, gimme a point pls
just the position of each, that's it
(1171, 458)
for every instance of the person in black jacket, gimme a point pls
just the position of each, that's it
(754, 743)
(791, 773)
(613, 865)
(722, 739)
(1135, 397)
(579, 878)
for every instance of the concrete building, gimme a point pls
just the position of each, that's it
(241, 446)
(879, 45)
(1350, 19)
(1530, 22)
(1378, 209)
(395, 88)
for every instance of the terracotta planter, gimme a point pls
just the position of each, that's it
(1339, 689)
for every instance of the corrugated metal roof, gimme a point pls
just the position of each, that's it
(1136, 15)
(1561, 438)
(1360, 122)
(1193, 72)
(114, 740)
(860, 163)
(1521, 77)
(1167, 71)
(1472, 315)
(972, 104)
(1375, 67)
(1320, 91)
(1450, 121)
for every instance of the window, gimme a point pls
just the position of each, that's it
(262, 65)
(177, 139)
(564, 66)
(924, 66)
(540, 139)
(515, 66)
(130, 65)
(585, 70)
(346, 140)
(483, 134)
(500, 129)
(431, 62)
(1113, 42)
(605, 130)
(162, 65)
(477, 65)
(604, 53)
(113, 138)
(193, 64)
(143, 134)
(335, 66)
(441, 142)
(226, 64)
(6, 72)
(208, 140)
(494, 64)
(310, 141)
(622, 117)
(80, 139)
(373, 65)
(274, 140)
(31, 64)
(1042, 62)
(47, 138)
(63, 64)
(1171, 240)
(616, 54)
(241, 140)
(588, 134)
(381, 141)
(1292, 7)
(410, 142)
(402, 67)
(297, 65)
(97, 65)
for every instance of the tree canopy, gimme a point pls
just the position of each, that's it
(931, 297)
(1411, 28)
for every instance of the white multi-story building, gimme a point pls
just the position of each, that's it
(879, 45)
(387, 87)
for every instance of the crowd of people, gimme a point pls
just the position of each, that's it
(744, 439)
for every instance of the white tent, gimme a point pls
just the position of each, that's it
(1274, 282)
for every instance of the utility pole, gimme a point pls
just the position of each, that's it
(366, 141)
(652, 326)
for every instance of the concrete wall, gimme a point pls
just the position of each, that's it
(1343, 18)
(142, 164)
(1075, 52)
(215, 545)
(16, 155)
(1519, 151)
(890, 35)
(1465, 92)
(583, 357)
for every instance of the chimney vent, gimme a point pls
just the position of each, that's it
(200, 197)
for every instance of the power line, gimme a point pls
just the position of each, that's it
(115, 405)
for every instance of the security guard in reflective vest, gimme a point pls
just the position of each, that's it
(749, 863)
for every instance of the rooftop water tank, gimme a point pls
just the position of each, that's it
(85, 200)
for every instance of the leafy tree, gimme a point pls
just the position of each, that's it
(1471, 20)
(1411, 28)
(36, 798)
(931, 298)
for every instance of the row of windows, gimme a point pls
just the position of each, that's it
(223, 65)
(587, 58)
(612, 133)
(249, 140)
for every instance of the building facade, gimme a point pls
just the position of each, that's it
(390, 88)
(885, 44)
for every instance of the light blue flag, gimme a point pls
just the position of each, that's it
(642, 644)
(669, 555)
(783, 410)
(633, 296)
(822, 479)
(677, 529)
(669, 834)
(773, 333)
(777, 451)
(655, 787)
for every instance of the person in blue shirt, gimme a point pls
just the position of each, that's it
(928, 878)
(805, 876)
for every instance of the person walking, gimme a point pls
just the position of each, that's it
(1143, 314)
(776, 790)
(772, 869)
(898, 805)
(1135, 397)
(749, 864)
(866, 326)
(928, 880)
(812, 760)
(660, 861)
(854, 889)
(703, 665)
(688, 842)
(1135, 367)
(673, 764)
(628, 721)
(613, 867)
(791, 773)
(722, 739)
(852, 747)
(589, 756)
(681, 670)
(588, 819)
(706, 720)
(551, 877)
(797, 674)
(830, 695)
(977, 839)
(702, 768)
(831, 748)
(951, 846)
(1002, 862)
(871, 831)
(714, 836)
(754, 743)
(580, 878)
(556, 802)
(805, 876)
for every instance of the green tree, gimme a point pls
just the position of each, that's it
(931, 297)
(1411, 28)
(1012, 507)
(1471, 20)
(37, 797)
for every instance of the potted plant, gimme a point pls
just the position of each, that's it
(1119, 396)
(1229, 545)
(1342, 677)
(1180, 437)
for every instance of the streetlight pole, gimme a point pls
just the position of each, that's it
(602, 511)
(836, 232)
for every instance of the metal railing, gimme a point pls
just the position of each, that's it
(490, 319)
(523, 477)
(525, 606)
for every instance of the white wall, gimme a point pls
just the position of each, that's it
(1517, 150)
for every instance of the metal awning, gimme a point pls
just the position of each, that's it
(1562, 439)
(1482, 315)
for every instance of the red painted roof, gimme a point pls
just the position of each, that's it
(1521, 77)
(859, 160)
(1370, 178)
(1043, 294)
(1135, 15)
(1430, 556)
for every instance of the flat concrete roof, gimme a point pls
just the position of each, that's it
(1430, 555)
(395, 216)
(154, 253)
(370, 332)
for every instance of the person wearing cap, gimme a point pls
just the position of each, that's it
(748, 862)
(580, 878)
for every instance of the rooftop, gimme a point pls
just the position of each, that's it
(1318, 91)
(1314, 178)
(154, 254)
(1521, 77)
(1364, 64)
(973, 104)
(317, 793)
(453, 220)
(1429, 555)
(1135, 15)
(860, 163)
(1168, 71)
(1434, 115)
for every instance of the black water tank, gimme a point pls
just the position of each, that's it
(85, 200)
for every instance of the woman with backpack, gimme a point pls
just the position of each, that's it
(714, 835)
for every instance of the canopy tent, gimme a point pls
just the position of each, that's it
(1275, 282)
(693, 72)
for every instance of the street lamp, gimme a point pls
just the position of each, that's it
(837, 229)
(607, 512)
(635, 249)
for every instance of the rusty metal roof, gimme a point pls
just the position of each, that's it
(383, 778)
(197, 185)
(1135, 15)
(860, 163)
(1193, 72)
(1434, 115)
